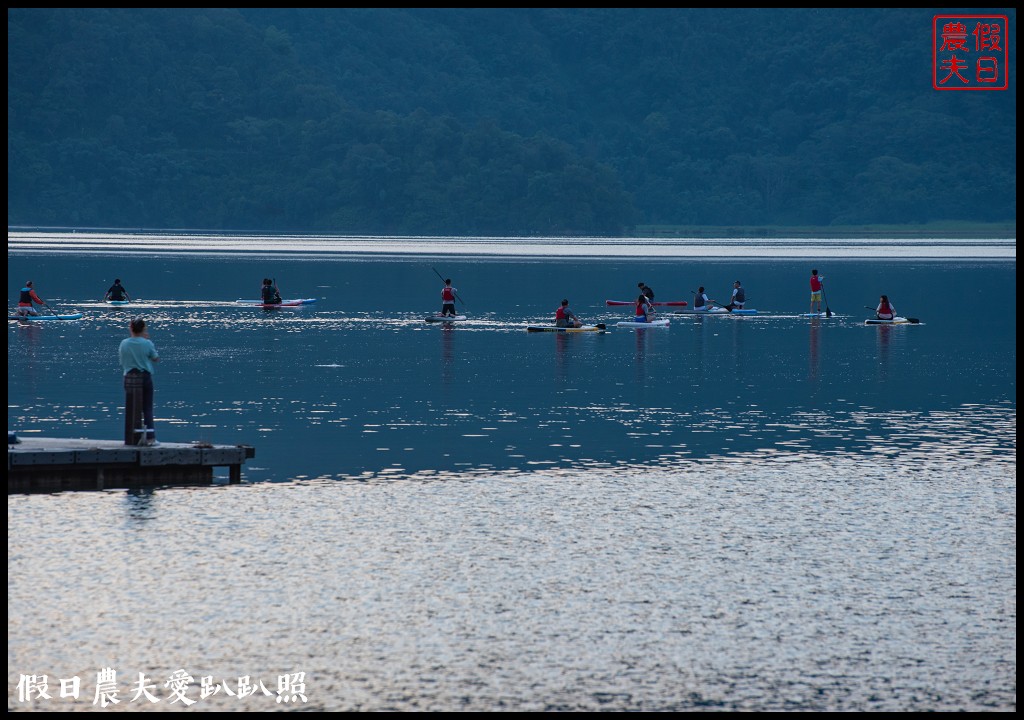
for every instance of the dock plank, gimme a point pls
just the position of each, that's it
(38, 464)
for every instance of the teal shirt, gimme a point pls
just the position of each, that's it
(137, 353)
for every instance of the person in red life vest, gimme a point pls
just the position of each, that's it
(644, 309)
(28, 296)
(448, 299)
(564, 317)
(885, 310)
(816, 291)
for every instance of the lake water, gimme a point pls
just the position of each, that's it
(755, 513)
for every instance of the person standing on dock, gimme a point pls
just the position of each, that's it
(28, 296)
(137, 354)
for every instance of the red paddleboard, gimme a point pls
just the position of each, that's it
(677, 303)
(286, 303)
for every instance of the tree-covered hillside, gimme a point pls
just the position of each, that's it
(494, 122)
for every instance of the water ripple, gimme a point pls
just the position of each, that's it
(822, 583)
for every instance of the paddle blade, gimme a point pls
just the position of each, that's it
(828, 312)
(601, 326)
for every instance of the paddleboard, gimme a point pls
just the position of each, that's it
(652, 324)
(39, 318)
(118, 302)
(895, 321)
(676, 303)
(551, 328)
(285, 303)
(716, 311)
(443, 319)
(816, 315)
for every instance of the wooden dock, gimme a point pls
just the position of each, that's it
(36, 464)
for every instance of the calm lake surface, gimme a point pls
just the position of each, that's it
(754, 513)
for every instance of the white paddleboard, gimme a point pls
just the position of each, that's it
(652, 324)
(444, 318)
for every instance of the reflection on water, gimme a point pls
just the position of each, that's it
(884, 340)
(642, 338)
(347, 247)
(562, 341)
(141, 505)
(814, 350)
(807, 582)
(447, 357)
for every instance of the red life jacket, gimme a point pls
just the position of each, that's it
(884, 308)
(560, 313)
(448, 295)
(815, 284)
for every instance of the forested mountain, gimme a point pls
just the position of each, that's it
(494, 122)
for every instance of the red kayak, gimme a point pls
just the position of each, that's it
(678, 303)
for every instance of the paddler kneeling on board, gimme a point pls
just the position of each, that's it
(28, 296)
(644, 309)
(270, 294)
(885, 310)
(701, 302)
(739, 297)
(117, 293)
(564, 317)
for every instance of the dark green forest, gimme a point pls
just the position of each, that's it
(495, 122)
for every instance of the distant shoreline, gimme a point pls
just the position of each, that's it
(885, 247)
(937, 230)
(949, 230)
